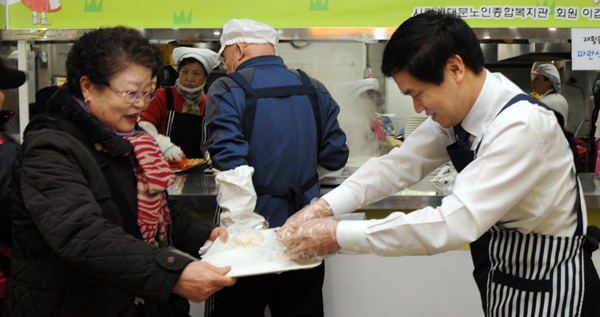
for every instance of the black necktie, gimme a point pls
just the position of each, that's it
(462, 137)
(460, 152)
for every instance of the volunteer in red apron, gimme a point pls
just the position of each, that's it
(175, 117)
(516, 199)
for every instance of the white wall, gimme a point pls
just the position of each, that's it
(330, 63)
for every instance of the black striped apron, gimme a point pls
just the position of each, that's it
(529, 274)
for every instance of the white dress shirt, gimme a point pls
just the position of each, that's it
(523, 178)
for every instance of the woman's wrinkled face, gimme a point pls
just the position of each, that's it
(110, 106)
(192, 75)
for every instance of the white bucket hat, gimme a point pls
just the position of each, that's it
(550, 72)
(247, 31)
(206, 57)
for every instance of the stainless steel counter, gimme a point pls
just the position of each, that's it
(198, 190)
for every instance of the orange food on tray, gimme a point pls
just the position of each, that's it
(185, 163)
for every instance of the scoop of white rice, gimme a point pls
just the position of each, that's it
(247, 239)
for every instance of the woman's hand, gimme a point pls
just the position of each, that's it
(219, 232)
(199, 280)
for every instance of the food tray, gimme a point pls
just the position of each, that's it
(254, 260)
(202, 165)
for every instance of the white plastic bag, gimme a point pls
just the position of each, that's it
(237, 198)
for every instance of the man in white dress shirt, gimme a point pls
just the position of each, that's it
(515, 200)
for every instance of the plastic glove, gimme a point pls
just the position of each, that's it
(314, 239)
(237, 198)
(169, 149)
(172, 152)
(318, 208)
(444, 180)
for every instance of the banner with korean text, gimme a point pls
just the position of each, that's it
(585, 52)
(24, 14)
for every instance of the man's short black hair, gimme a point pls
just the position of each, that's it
(423, 44)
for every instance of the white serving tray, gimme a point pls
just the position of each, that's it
(255, 260)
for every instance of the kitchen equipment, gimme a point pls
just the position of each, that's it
(411, 123)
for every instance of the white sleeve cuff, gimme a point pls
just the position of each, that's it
(341, 201)
(352, 237)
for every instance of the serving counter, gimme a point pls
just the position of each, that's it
(198, 190)
(371, 285)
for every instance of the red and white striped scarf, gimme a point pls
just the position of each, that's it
(153, 177)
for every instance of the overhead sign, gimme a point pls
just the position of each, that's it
(68, 14)
(585, 49)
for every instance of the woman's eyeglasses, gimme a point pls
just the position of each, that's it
(133, 96)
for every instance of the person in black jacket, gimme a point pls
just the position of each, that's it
(92, 225)
(9, 78)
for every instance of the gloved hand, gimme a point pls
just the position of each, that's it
(314, 239)
(169, 149)
(318, 208)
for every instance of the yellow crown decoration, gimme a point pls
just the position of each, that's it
(181, 18)
(545, 4)
(93, 6)
(319, 5)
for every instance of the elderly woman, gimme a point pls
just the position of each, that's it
(176, 116)
(92, 223)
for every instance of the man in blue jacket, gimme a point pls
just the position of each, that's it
(282, 125)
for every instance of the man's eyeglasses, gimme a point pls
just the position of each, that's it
(133, 96)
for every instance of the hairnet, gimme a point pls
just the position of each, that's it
(247, 31)
(550, 72)
(206, 57)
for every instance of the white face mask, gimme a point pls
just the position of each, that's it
(190, 90)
